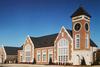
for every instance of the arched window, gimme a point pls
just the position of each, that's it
(28, 52)
(28, 47)
(63, 50)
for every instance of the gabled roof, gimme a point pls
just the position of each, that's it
(70, 32)
(80, 11)
(48, 40)
(44, 41)
(11, 50)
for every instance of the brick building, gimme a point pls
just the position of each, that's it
(67, 46)
(8, 54)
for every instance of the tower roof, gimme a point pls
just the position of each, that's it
(80, 11)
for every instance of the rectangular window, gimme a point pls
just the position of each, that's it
(77, 41)
(28, 53)
(61, 59)
(44, 57)
(66, 58)
(28, 59)
(87, 41)
(21, 58)
(38, 57)
(28, 56)
(50, 56)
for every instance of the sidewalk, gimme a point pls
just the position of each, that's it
(31, 65)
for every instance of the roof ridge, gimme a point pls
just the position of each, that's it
(44, 35)
(12, 46)
(68, 29)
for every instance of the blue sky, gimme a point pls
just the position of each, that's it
(19, 18)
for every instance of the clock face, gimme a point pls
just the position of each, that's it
(86, 27)
(77, 26)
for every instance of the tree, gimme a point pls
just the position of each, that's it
(83, 61)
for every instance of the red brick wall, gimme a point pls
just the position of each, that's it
(19, 56)
(43, 48)
(82, 33)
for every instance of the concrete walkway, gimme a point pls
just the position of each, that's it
(33, 65)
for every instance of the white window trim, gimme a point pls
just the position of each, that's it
(44, 52)
(50, 51)
(28, 50)
(88, 26)
(74, 26)
(49, 58)
(38, 53)
(21, 55)
(61, 48)
(87, 38)
(76, 42)
(21, 58)
(28, 60)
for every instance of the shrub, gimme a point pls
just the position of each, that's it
(34, 62)
(50, 61)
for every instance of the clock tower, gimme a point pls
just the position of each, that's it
(81, 29)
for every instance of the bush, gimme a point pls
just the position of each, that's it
(50, 61)
(83, 62)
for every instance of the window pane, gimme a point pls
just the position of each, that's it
(63, 50)
(44, 57)
(77, 36)
(38, 57)
(50, 56)
(86, 41)
(59, 58)
(28, 59)
(77, 43)
(27, 53)
(21, 58)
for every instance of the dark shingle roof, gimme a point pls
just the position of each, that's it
(20, 48)
(11, 50)
(70, 32)
(44, 41)
(92, 43)
(48, 40)
(80, 11)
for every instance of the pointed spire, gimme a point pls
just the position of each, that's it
(80, 11)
